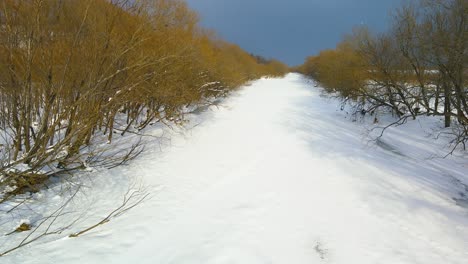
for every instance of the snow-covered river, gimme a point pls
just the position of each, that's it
(277, 174)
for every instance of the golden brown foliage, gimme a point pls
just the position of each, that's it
(412, 69)
(70, 69)
(341, 70)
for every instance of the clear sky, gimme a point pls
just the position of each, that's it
(290, 30)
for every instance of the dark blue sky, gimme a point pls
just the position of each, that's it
(290, 30)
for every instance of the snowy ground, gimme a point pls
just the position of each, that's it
(276, 174)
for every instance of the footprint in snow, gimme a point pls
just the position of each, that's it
(321, 251)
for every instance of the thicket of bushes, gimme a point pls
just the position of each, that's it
(72, 70)
(416, 68)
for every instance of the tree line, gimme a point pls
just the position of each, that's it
(417, 67)
(75, 71)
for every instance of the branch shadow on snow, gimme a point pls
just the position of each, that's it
(328, 131)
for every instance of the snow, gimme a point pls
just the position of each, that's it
(274, 174)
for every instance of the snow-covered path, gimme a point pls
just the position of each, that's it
(278, 175)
